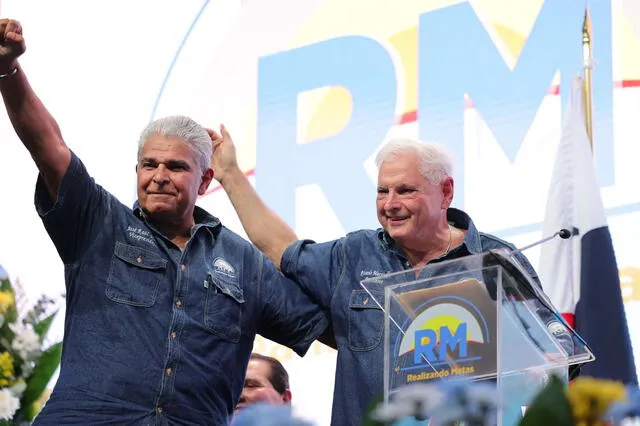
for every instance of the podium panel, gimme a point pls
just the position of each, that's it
(478, 317)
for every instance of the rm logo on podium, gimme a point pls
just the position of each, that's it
(449, 336)
(433, 344)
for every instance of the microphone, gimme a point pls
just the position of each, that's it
(563, 233)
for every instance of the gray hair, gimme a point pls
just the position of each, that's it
(435, 161)
(185, 129)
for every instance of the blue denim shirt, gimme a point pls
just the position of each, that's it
(332, 272)
(155, 335)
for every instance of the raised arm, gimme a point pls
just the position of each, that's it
(33, 124)
(264, 228)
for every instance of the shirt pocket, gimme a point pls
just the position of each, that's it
(223, 307)
(366, 321)
(135, 275)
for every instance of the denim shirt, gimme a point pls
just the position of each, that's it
(155, 335)
(332, 272)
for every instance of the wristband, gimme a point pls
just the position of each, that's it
(10, 73)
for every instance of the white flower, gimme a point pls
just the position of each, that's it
(263, 414)
(393, 412)
(26, 342)
(484, 394)
(416, 400)
(469, 402)
(9, 404)
(18, 388)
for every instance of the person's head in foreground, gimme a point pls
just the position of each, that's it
(266, 381)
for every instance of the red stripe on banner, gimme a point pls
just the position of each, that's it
(407, 117)
(626, 83)
(412, 116)
(570, 319)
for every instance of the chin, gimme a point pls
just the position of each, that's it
(159, 207)
(403, 234)
(159, 211)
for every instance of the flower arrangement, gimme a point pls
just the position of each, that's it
(27, 362)
(586, 402)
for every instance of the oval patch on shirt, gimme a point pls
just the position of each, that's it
(223, 267)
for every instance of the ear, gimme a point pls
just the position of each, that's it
(286, 396)
(447, 192)
(207, 177)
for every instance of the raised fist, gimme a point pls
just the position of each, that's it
(11, 43)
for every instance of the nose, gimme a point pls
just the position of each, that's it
(243, 397)
(161, 175)
(390, 202)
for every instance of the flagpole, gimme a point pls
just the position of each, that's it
(587, 68)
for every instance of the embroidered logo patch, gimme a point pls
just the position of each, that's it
(223, 267)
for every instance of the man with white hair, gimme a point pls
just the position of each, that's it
(163, 302)
(418, 227)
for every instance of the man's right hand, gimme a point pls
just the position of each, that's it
(223, 160)
(11, 44)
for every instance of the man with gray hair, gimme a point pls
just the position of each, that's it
(418, 227)
(163, 302)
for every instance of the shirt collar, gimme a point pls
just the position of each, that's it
(200, 216)
(455, 217)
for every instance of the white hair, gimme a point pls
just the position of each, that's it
(435, 161)
(185, 129)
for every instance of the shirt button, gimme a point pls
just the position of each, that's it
(168, 371)
(179, 303)
(183, 267)
(173, 334)
(159, 410)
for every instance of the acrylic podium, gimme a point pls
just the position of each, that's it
(479, 317)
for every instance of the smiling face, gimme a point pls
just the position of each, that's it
(169, 180)
(410, 208)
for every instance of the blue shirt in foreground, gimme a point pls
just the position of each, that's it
(331, 272)
(155, 335)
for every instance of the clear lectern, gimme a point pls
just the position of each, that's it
(479, 317)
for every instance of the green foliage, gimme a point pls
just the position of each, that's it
(40, 377)
(368, 419)
(549, 407)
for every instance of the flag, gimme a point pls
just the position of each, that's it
(580, 275)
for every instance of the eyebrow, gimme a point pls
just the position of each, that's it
(178, 163)
(169, 163)
(397, 186)
(252, 382)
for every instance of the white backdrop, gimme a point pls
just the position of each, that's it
(104, 69)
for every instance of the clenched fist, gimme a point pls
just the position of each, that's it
(11, 44)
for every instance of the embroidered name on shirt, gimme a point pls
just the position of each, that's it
(140, 234)
(370, 273)
(223, 267)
